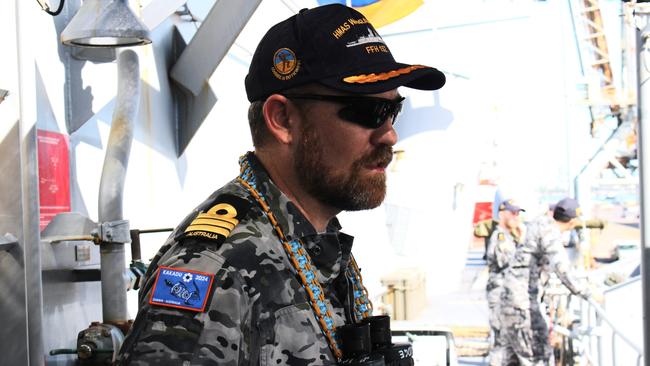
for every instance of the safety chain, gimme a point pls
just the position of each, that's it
(300, 261)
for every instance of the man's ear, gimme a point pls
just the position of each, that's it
(277, 114)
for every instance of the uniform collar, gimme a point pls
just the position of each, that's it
(329, 251)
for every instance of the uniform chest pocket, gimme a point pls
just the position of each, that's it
(294, 337)
(523, 257)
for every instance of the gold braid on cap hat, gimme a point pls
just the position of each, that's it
(371, 78)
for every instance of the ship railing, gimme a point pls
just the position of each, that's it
(589, 333)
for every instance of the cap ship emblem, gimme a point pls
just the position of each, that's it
(285, 64)
(371, 37)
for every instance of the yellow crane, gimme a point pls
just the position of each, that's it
(604, 98)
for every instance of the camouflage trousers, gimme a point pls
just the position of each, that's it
(519, 337)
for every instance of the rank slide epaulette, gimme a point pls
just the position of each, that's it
(216, 223)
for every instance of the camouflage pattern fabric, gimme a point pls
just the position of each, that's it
(523, 330)
(501, 248)
(257, 312)
(522, 338)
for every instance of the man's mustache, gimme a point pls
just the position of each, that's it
(382, 156)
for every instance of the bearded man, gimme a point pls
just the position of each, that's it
(260, 273)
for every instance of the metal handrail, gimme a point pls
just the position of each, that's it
(601, 312)
(600, 317)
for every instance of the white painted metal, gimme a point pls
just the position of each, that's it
(111, 188)
(643, 75)
(158, 11)
(102, 23)
(204, 53)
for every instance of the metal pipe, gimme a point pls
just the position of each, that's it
(613, 349)
(599, 343)
(111, 186)
(643, 93)
(136, 253)
(27, 324)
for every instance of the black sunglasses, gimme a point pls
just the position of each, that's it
(370, 112)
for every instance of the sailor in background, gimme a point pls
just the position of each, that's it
(522, 327)
(507, 235)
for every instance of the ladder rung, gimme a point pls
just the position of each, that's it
(594, 35)
(600, 62)
(590, 9)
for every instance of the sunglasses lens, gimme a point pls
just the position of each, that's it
(371, 113)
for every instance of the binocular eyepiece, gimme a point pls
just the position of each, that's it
(368, 343)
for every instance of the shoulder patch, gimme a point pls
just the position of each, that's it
(219, 220)
(501, 237)
(181, 288)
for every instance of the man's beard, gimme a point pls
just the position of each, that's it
(349, 191)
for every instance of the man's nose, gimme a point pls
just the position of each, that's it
(385, 134)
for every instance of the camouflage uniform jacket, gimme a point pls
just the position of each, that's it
(257, 312)
(542, 250)
(501, 249)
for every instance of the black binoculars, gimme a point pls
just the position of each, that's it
(368, 343)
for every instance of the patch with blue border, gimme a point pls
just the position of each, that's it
(181, 288)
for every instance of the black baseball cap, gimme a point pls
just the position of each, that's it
(509, 205)
(567, 208)
(333, 45)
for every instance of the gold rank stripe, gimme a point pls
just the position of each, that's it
(211, 216)
(372, 78)
(212, 221)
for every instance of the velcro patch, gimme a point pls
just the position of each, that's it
(219, 220)
(501, 237)
(181, 288)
